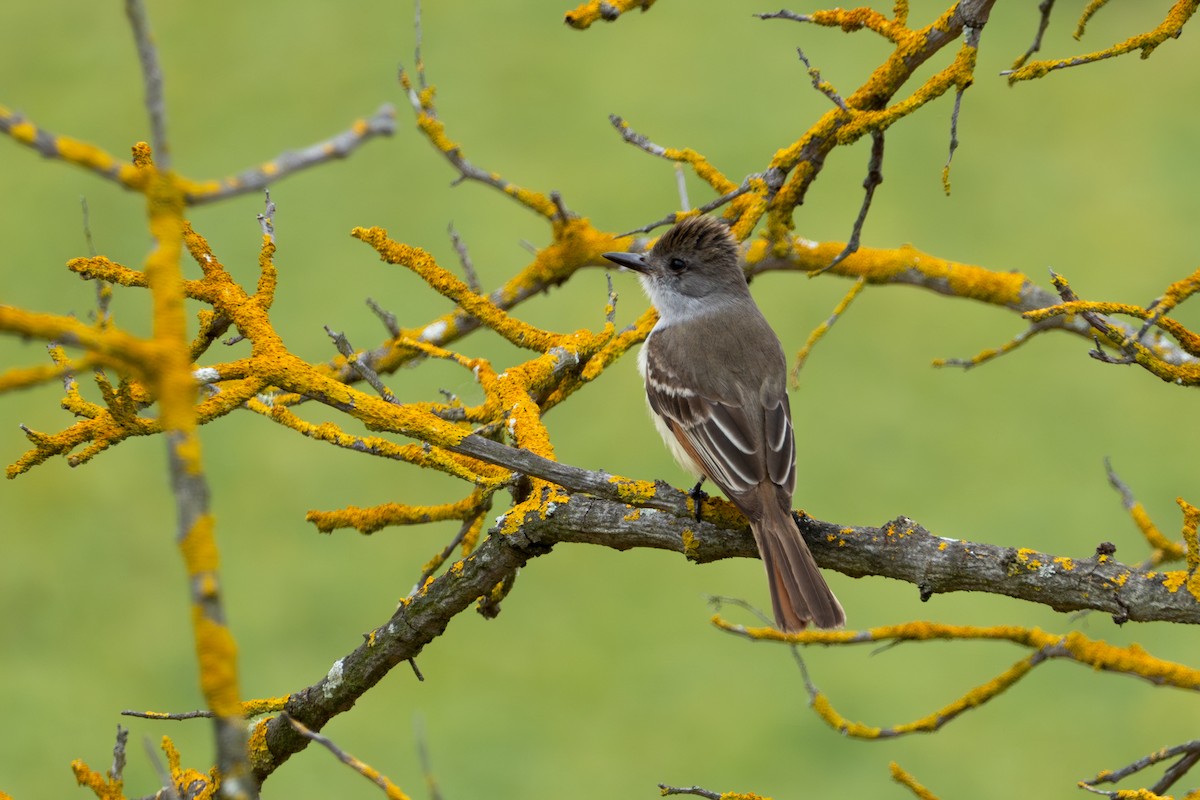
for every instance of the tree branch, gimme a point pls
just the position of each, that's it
(899, 549)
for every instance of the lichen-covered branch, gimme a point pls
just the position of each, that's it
(905, 779)
(899, 549)
(1170, 28)
(1177, 362)
(197, 192)
(1132, 661)
(608, 10)
(169, 384)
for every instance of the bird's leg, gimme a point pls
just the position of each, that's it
(698, 496)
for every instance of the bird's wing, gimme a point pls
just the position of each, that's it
(723, 434)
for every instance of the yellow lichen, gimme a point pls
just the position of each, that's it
(216, 653)
(689, 543)
(257, 751)
(103, 786)
(1027, 558)
(584, 15)
(1173, 580)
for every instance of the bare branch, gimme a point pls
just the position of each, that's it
(1190, 752)
(435, 792)
(266, 220)
(1044, 9)
(118, 766)
(152, 77)
(464, 258)
(870, 183)
(711, 205)
(693, 790)
(386, 317)
(824, 87)
(360, 365)
(202, 713)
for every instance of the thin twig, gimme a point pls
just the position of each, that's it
(562, 212)
(1098, 323)
(696, 790)
(824, 87)
(103, 288)
(366, 771)
(418, 59)
(711, 205)
(169, 788)
(175, 716)
(873, 179)
(958, 95)
(610, 310)
(360, 366)
(1157, 757)
(386, 317)
(340, 145)
(431, 784)
(971, 36)
(1044, 8)
(1175, 772)
(87, 226)
(118, 766)
(152, 78)
(784, 14)
(638, 140)
(681, 186)
(464, 258)
(266, 220)
(437, 561)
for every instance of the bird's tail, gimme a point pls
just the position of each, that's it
(799, 594)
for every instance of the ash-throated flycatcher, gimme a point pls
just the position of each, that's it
(716, 380)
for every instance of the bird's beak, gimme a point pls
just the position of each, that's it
(633, 261)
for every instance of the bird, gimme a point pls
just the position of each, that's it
(716, 384)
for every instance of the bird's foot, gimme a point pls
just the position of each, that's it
(698, 496)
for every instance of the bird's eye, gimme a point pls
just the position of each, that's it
(677, 264)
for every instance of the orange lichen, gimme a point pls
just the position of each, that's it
(1099, 655)
(264, 705)
(105, 787)
(826, 711)
(370, 520)
(442, 281)
(257, 751)
(1169, 28)
(1028, 559)
(199, 548)
(900, 776)
(899, 265)
(633, 492)
(216, 652)
(585, 14)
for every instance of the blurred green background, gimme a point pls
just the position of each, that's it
(602, 676)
